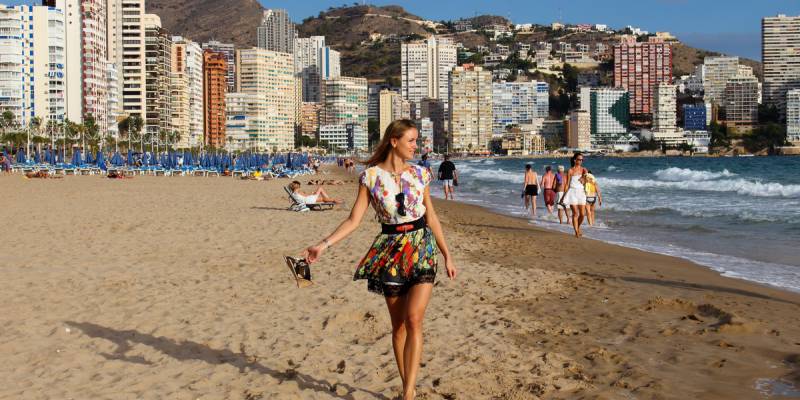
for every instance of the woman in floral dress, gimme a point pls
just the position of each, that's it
(401, 265)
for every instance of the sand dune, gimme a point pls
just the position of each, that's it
(156, 288)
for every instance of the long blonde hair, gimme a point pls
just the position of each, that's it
(395, 130)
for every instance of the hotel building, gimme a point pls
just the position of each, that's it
(425, 67)
(470, 103)
(270, 77)
(343, 100)
(638, 68)
(780, 46)
(215, 86)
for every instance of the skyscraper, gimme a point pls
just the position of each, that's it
(187, 91)
(270, 77)
(513, 103)
(158, 65)
(32, 46)
(470, 103)
(780, 47)
(229, 52)
(344, 101)
(306, 51)
(580, 130)
(425, 66)
(741, 100)
(665, 108)
(215, 86)
(126, 45)
(94, 55)
(717, 72)
(793, 116)
(638, 68)
(610, 115)
(276, 32)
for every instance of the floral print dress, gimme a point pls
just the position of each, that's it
(395, 261)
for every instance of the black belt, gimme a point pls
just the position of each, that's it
(388, 229)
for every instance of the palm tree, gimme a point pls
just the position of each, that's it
(7, 122)
(135, 130)
(90, 131)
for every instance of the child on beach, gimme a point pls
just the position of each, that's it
(401, 265)
(593, 195)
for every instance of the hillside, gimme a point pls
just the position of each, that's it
(348, 30)
(229, 21)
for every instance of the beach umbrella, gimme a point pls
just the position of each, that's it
(130, 157)
(187, 158)
(100, 160)
(37, 158)
(117, 160)
(76, 157)
(88, 159)
(21, 156)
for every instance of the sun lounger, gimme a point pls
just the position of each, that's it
(300, 206)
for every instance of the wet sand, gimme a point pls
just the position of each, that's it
(155, 288)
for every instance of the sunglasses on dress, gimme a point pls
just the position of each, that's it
(401, 204)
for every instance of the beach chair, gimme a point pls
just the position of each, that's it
(300, 206)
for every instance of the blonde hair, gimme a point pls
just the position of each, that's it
(395, 130)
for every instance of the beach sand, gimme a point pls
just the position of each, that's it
(175, 288)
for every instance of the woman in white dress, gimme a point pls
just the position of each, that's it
(575, 196)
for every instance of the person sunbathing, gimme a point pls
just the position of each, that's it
(319, 196)
(40, 175)
(116, 174)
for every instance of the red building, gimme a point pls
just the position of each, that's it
(215, 84)
(638, 68)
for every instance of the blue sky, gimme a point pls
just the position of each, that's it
(728, 26)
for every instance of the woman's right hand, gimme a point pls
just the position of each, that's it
(313, 253)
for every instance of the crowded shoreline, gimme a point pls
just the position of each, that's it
(125, 294)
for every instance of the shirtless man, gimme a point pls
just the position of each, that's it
(560, 185)
(549, 187)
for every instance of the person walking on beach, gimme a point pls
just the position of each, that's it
(593, 196)
(448, 175)
(530, 189)
(575, 196)
(548, 185)
(401, 265)
(560, 185)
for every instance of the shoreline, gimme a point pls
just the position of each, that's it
(185, 295)
(677, 257)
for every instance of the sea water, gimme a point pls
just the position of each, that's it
(737, 215)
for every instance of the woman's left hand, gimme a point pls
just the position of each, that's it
(451, 268)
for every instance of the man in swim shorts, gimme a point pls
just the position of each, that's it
(560, 185)
(548, 184)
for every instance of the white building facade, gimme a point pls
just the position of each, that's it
(425, 67)
(793, 116)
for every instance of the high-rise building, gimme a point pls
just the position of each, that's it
(345, 137)
(240, 110)
(276, 32)
(306, 51)
(158, 81)
(718, 70)
(393, 107)
(793, 116)
(32, 72)
(113, 106)
(94, 56)
(309, 119)
(329, 63)
(270, 77)
(229, 52)
(741, 100)
(425, 67)
(343, 100)
(514, 103)
(73, 48)
(665, 108)
(433, 109)
(609, 110)
(638, 68)
(780, 47)
(215, 85)
(187, 92)
(694, 117)
(374, 98)
(470, 103)
(126, 48)
(580, 130)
